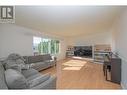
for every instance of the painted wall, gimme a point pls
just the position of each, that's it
(120, 39)
(17, 39)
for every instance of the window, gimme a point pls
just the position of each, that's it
(45, 46)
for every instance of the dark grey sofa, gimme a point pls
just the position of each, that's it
(35, 79)
(40, 62)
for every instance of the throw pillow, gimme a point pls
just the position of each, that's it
(10, 64)
(15, 80)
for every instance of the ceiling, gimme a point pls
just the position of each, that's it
(67, 21)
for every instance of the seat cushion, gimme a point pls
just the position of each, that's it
(38, 80)
(50, 63)
(40, 65)
(2, 78)
(15, 80)
(29, 72)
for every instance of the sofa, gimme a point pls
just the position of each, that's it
(25, 77)
(40, 62)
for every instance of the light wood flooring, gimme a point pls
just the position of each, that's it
(80, 74)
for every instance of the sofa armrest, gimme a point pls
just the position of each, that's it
(54, 58)
(38, 80)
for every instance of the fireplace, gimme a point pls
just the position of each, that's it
(83, 51)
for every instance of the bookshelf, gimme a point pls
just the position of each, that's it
(70, 51)
(100, 51)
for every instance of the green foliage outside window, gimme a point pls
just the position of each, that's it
(48, 46)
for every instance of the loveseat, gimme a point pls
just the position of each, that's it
(40, 62)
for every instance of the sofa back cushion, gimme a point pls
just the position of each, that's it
(47, 57)
(2, 78)
(34, 59)
(37, 58)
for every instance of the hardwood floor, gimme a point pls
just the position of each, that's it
(80, 74)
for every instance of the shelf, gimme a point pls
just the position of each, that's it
(100, 51)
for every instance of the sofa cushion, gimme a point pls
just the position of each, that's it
(15, 80)
(16, 65)
(34, 59)
(2, 78)
(47, 61)
(37, 58)
(40, 65)
(47, 57)
(14, 56)
(38, 80)
(10, 64)
(33, 76)
(29, 72)
(40, 62)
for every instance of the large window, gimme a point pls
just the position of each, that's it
(45, 46)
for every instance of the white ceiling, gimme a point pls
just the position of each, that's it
(67, 21)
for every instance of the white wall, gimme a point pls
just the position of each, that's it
(92, 39)
(120, 38)
(17, 39)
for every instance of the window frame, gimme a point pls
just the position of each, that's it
(49, 41)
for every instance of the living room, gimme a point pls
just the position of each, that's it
(65, 32)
